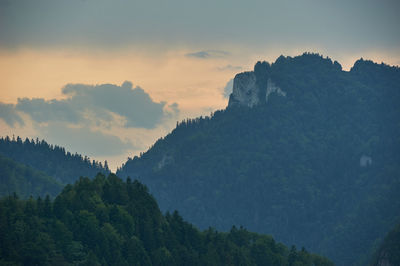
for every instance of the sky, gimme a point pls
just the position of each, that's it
(108, 78)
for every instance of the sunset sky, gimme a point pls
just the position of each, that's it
(108, 78)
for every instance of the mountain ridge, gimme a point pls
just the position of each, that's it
(25, 181)
(293, 166)
(53, 160)
(47, 167)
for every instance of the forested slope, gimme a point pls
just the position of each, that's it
(106, 221)
(25, 181)
(388, 253)
(54, 161)
(314, 162)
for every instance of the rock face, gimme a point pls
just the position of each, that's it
(245, 90)
(272, 88)
(253, 88)
(388, 253)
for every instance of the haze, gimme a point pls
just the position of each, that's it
(107, 78)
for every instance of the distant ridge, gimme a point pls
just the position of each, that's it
(61, 166)
(25, 181)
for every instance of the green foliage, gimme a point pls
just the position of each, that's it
(106, 221)
(389, 250)
(25, 181)
(54, 161)
(293, 167)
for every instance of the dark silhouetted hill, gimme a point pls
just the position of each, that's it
(305, 151)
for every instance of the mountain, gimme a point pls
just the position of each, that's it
(388, 253)
(106, 221)
(54, 161)
(25, 181)
(305, 151)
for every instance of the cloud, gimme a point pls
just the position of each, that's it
(172, 110)
(85, 140)
(41, 110)
(10, 115)
(100, 104)
(228, 89)
(104, 120)
(229, 68)
(120, 23)
(208, 54)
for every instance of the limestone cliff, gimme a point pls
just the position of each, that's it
(253, 88)
(245, 90)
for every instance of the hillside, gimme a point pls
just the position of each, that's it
(388, 253)
(106, 221)
(54, 161)
(305, 151)
(25, 181)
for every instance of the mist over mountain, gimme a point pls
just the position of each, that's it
(305, 151)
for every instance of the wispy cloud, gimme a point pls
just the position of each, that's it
(228, 89)
(229, 68)
(10, 115)
(208, 54)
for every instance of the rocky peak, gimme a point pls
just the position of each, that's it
(245, 90)
(253, 88)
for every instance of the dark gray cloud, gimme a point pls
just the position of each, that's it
(10, 115)
(85, 140)
(228, 89)
(99, 103)
(41, 110)
(356, 24)
(208, 54)
(134, 104)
